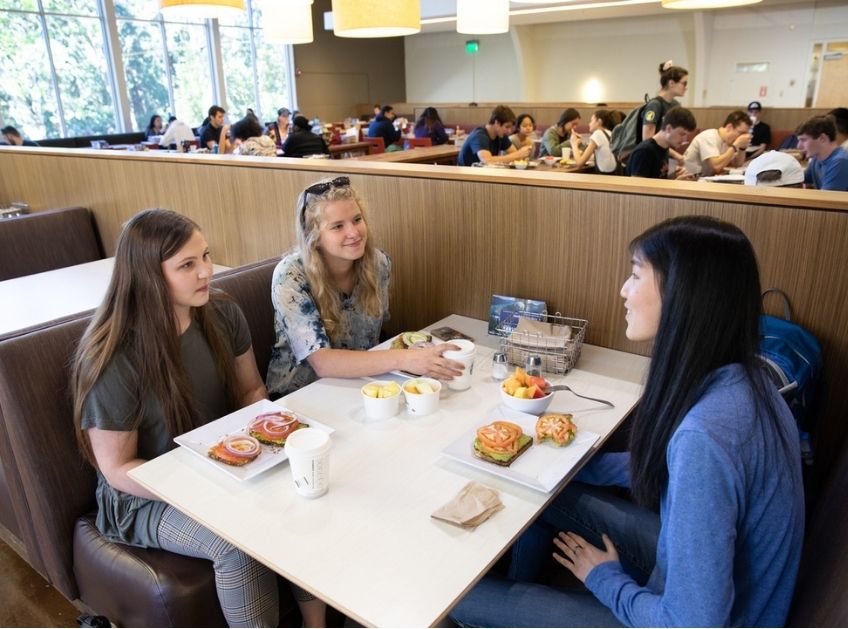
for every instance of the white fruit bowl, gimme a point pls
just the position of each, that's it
(536, 406)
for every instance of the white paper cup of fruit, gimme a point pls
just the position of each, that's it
(527, 394)
(422, 395)
(381, 399)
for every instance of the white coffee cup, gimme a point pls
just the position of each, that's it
(422, 403)
(465, 355)
(566, 153)
(308, 450)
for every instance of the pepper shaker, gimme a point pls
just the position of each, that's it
(500, 370)
(533, 365)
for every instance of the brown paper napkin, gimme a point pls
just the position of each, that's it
(473, 505)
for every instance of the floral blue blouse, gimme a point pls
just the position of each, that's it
(300, 330)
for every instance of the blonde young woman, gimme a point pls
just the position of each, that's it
(331, 297)
(164, 354)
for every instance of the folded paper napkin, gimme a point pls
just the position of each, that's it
(473, 505)
(531, 333)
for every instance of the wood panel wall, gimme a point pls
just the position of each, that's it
(459, 235)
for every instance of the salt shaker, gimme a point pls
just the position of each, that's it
(499, 367)
(533, 365)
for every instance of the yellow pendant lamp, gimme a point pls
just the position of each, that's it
(200, 9)
(287, 22)
(705, 4)
(376, 18)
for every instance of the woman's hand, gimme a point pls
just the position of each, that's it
(428, 361)
(580, 556)
(575, 140)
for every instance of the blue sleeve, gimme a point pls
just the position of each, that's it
(479, 143)
(699, 535)
(611, 468)
(835, 176)
(439, 135)
(808, 172)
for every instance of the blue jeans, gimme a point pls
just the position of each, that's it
(587, 511)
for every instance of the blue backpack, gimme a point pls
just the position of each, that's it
(793, 359)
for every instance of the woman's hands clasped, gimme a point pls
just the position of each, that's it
(580, 556)
(428, 361)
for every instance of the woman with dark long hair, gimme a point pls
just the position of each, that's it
(154, 127)
(715, 536)
(164, 354)
(429, 125)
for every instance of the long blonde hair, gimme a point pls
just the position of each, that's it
(137, 317)
(309, 212)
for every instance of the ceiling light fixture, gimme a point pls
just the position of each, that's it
(200, 9)
(287, 23)
(551, 9)
(376, 18)
(482, 17)
(705, 4)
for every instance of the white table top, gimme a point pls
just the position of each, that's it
(41, 297)
(369, 546)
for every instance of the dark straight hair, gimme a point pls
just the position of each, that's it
(709, 284)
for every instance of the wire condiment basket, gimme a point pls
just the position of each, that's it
(559, 352)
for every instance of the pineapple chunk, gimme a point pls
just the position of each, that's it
(521, 392)
(371, 390)
(424, 387)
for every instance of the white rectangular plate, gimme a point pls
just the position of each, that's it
(201, 439)
(541, 467)
(388, 345)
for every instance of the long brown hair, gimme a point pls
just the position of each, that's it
(308, 223)
(137, 318)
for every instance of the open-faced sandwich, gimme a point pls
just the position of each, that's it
(412, 340)
(557, 427)
(501, 442)
(236, 450)
(274, 428)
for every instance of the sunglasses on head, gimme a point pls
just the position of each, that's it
(321, 188)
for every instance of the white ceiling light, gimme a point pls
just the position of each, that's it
(376, 18)
(705, 4)
(200, 9)
(482, 17)
(534, 1)
(288, 22)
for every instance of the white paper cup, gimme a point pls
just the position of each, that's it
(465, 355)
(422, 403)
(308, 450)
(566, 153)
(378, 408)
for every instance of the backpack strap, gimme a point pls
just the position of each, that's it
(787, 307)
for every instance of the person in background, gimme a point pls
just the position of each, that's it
(14, 138)
(176, 133)
(650, 158)
(429, 125)
(760, 131)
(302, 142)
(840, 119)
(525, 127)
(154, 127)
(247, 138)
(490, 144)
(713, 150)
(376, 111)
(828, 167)
(331, 298)
(163, 355)
(558, 136)
(383, 127)
(714, 535)
(215, 131)
(673, 83)
(774, 169)
(278, 130)
(600, 125)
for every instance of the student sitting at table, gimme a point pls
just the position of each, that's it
(714, 538)
(525, 126)
(650, 157)
(828, 168)
(713, 150)
(559, 135)
(331, 297)
(164, 354)
(490, 144)
(302, 142)
(154, 127)
(429, 125)
(278, 130)
(384, 127)
(247, 138)
(176, 133)
(599, 143)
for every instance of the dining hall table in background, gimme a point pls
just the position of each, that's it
(369, 547)
(444, 154)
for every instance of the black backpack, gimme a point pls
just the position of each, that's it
(627, 135)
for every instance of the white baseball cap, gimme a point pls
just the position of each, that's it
(788, 167)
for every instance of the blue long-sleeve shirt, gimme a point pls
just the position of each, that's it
(732, 518)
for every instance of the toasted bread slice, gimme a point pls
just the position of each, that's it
(220, 453)
(263, 438)
(525, 442)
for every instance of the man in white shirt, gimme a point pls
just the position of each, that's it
(176, 132)
(714, 150)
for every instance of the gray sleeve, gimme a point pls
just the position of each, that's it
(235, 325)
(110, 403)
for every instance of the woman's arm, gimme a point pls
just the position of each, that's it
(248, 381)
(116, 453)
(581, 157)
(345, 363)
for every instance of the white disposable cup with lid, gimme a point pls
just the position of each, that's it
(566, 153)
(308, 450)
(465, 355)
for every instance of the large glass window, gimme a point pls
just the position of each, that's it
(188, 57)
(239, 74)
(144, 70)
